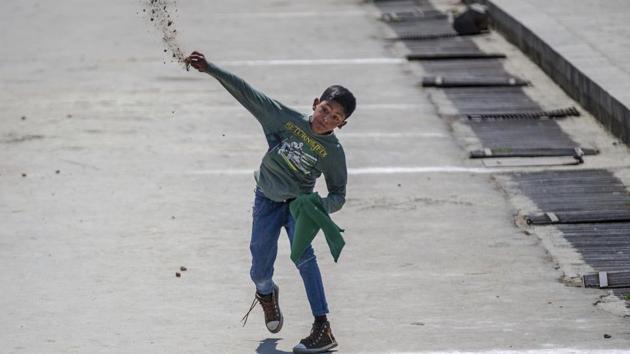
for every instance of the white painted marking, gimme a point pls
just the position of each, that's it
(603, 279)
(360, 135)
(306, 62)
(366, 106)
(532, 351)
(378, 135)
(369, 170)
(553, 217)
(428, 169)
(289, 15)
(306, 108)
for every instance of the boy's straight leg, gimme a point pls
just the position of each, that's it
(268, 219)
(309, 270)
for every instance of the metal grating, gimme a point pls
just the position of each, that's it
(455, 81)
(465, 68)
(448, 44)
(430, 26)
(404, 6)
(604, 245)
(505, 120)
(557, 113)
(608, 279)
(574, 191)
(521, 134)
(419, 37)
(454, 56)
(414, 14)
(491, 100)
(579, 217)
(577, 153)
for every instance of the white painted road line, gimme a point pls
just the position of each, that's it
(366, 106)
(288, 15)
(305, 62)
(379, 135)
(306, 108)
(368, 170)
(360, 135)
(533, 351)
(428, 169)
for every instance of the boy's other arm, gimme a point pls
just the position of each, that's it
(336, 180)
(265, 109)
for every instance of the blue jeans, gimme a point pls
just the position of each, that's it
(269, 218)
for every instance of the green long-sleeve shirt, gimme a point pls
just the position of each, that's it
(297, 155)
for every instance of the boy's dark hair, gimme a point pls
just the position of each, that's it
(341, 95)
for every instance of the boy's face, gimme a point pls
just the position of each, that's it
(327, 115)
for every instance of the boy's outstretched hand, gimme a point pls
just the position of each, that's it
(197, 61)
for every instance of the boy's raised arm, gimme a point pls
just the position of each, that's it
(265, 109)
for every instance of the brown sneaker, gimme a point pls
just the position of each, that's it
(320, 340)
(271, 308)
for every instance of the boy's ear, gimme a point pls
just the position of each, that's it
(342, 124)
(315, 102)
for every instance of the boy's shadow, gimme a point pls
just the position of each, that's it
(269, 346)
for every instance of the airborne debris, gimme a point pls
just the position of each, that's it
(163, 22)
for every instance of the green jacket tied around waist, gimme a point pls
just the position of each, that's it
(310, 216)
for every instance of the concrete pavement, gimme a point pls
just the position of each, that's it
(155, 172)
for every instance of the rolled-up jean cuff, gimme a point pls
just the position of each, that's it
(265, 287)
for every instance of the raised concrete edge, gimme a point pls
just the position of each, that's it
(612, 113)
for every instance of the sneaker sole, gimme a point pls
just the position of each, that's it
(316, 350)
(277, 290)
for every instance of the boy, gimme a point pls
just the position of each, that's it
(301, 148)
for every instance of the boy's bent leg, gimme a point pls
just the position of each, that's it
(268, 219)
(311, 276)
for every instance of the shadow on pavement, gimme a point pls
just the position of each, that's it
(268, 346)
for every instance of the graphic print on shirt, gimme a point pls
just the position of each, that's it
(301, 155)
(296, 158)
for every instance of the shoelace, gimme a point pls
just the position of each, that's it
(254, 303)
(316, 334)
